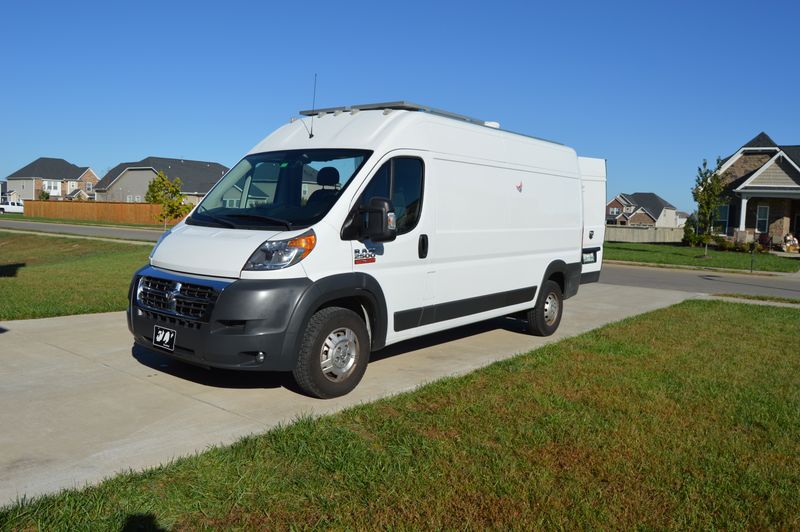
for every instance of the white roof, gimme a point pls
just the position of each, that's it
(383, 131)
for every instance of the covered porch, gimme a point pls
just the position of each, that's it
(766, 215)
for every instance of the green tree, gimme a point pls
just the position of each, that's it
(690, 235)
(44, 195)
(167, 193)
(707, 193)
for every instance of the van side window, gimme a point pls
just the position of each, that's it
(400, 180)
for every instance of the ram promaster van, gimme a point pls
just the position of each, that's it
(352, 228)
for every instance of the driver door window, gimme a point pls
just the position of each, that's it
(399, 179)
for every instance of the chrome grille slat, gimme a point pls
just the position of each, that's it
(176, 298)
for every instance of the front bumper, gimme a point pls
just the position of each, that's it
(236, 320)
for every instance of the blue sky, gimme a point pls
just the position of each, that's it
(654, 87)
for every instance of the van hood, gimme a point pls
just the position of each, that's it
(214, 251)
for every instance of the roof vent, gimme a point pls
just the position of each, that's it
(492, 124)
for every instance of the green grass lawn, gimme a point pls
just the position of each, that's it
(676, 254)
(42, 276)
(688, 418)
(23, 218)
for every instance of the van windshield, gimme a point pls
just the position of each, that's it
(289, 189)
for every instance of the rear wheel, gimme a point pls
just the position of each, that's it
(543, 320)
(334, 353)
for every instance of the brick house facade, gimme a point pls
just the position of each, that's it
(86, 182)
(762, 190)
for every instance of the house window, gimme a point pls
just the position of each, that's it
(628, 209)
(89, 186)
(721, 223)
(129, 199)
(762, 218)
(138, 199)
(230, 203)
(613, 211)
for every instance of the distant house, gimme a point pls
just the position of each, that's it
(127, 182)
(57, 177)
(7, 194)
(762, 180)
(641, 209)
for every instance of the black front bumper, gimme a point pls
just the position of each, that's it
(242, 319)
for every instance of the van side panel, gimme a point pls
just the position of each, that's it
(497, 229)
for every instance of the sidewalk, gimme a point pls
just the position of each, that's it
(79, 404)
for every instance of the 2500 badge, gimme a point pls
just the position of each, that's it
(363, 256)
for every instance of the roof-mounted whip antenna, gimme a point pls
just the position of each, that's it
(313, 107)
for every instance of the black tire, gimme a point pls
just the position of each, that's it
(2, 211)
(346, 355)
(543, 319)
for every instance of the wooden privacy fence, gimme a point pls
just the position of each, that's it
(657, 235)
(95, 211)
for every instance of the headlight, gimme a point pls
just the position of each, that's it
(158, 242)
(277, 254)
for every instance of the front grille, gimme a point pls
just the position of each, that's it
(186, 300)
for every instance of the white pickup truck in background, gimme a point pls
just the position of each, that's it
(11, 207)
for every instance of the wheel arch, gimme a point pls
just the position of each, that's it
(358, 292)
(566, 275)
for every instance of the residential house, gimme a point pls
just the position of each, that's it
(683, 217)
(7, 194)
(128, 182)
(57, 177)
(762, 180)
(644, 209)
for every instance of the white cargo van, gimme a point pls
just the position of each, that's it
(353, 228)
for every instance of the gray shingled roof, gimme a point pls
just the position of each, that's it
(196, 176)
(650, 202)
(761, 140)
(50, 168)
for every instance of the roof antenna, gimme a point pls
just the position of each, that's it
(313, 107)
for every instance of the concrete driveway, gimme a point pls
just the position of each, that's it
(80, 404)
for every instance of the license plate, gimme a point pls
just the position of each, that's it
(164, 338)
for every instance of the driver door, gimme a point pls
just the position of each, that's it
(401, 267)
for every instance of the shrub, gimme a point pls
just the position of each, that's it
(690, 236)
(722, 243)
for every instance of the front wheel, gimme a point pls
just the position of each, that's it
(543, 320)
(334, 353)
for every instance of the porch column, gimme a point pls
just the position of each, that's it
(743, 213)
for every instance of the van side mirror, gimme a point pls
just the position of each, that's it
(381, 222)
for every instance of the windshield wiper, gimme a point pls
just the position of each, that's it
(215, 219)
(260, 217)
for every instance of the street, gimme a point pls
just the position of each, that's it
(705, 281)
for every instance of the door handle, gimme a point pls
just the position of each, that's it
(423, 246)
